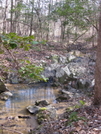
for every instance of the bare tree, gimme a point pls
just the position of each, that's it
(32, 15)
(5, 15)
(11, 19)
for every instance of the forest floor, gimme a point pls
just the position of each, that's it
(39, 53)
(83, 120)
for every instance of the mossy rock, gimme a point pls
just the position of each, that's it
(42, 116)
(46, 113)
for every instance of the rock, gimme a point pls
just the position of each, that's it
(77, 70)
(91, 88)
(62, 96)
(70, 94)
(9, 94)
(43, 63)
(54, 66)
(67, 94)
(62, 74)
(42, 103)
(78, 60)
(78, 84)
(55, 58)
(33, 109)
(3, 88)
(93, 83)
(13, 79)
(71, 89)
(82, 84)
(52, 111)
(70, 57)
(4, 98)
(62, 59)
(70, 68)
(93, 57)
(48, 73)
(47, 57)
(91, 63)
(48, 113)
(5, 95)
(77, 53)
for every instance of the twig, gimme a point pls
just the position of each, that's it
(79, 36)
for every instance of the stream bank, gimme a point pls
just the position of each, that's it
(73, 72)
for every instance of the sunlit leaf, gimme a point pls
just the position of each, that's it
(35, 42)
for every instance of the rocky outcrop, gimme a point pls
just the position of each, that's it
(75, 68)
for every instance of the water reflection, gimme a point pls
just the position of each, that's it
(24, 96)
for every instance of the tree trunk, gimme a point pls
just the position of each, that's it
(97, 95)
(11, 21)
(5, 15)
(31, 21)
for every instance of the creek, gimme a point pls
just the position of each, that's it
(25, 95)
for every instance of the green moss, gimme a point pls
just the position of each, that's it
(43, 108)
(42, 116)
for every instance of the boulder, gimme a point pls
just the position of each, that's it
(81, 84)
(5, 95)
(46, 114)
(33, 109)
(42, 63)
(55, 58)
(48, 72)
(62, 74)
(52, 111)
(93, 83)
(77, 53)
(71, 68)
(92, 57)
(42, 103)
(62, 96)
(71, 94)
(9, 94)
(71, 89)
(42, 113)
(3, 88)
(63, 59)
(70, 57)
(77, 70)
